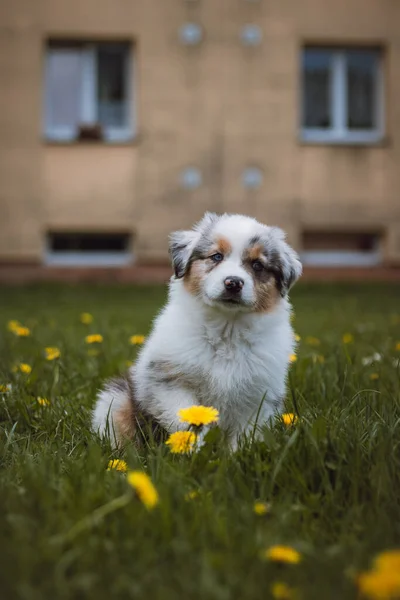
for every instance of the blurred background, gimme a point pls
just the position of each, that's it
(122, 120)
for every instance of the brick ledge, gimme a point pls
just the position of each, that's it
(12, 273)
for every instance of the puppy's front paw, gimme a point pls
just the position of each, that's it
(233, 444)
(200, 441)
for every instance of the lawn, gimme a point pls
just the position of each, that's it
(70, 528)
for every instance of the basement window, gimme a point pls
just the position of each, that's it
(73, 249)
(341, 249)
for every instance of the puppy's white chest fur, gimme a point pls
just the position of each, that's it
(233, 359)
(235, 374)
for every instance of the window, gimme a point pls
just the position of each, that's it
(342, 95)
(87, 92)
(88, 249)
(341, 248)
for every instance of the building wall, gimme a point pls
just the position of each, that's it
(218, 106)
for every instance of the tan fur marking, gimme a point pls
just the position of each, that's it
(194, 277)
(255, 252)
(124, 420)
(267, 295)
(223, 246)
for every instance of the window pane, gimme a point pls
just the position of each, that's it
(63, 87)
(112, 86)
(316, 89)
(88, 242)
(361, 85)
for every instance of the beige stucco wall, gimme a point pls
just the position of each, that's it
(218, 106)
(88, 187)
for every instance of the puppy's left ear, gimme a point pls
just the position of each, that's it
(288, 262)
(181, 246)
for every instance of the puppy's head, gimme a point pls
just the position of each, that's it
(235, 263)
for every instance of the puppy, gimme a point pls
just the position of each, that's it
(223, 339)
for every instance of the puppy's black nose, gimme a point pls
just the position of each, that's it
(233, 284)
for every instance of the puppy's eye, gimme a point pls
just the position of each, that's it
(257, 265)
(218, 257)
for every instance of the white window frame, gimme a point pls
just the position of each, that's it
(339, 133)
(88, 99)
(341, 258)
(87, 259)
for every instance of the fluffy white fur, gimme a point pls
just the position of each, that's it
(216, 354)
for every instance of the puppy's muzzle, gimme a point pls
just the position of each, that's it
(233, 285)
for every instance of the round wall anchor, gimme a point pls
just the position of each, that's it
(251, 35)
(191, 34)
(191, 178)
(252, 178)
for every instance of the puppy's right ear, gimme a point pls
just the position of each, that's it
(183, 243)
(181, 246)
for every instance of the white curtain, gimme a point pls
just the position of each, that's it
(63, 87)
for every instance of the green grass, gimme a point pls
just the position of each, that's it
(333, 480)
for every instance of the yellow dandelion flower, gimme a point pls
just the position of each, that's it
(289, 419)
(52, 353)
(5, 388)
(24, 368)
(297, 337)
(312, 341)
(281, 591)
(347, 338)
(181, 442)
(397, 347)
(388, 560)
(261, 508)
(144, 488)
(192, 495)
(292, 358)
(117, 465)
(198, 415)
(22, 331)
(43, 401)
(86, 318)
(137, 340)
(94, 338)
(282, 554)
(379, 584)
(374, 376)
(13, 325)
